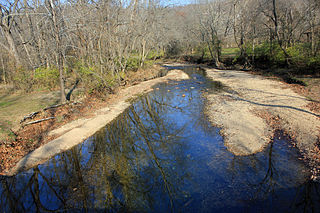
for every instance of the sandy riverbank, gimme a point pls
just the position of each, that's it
(240, 108)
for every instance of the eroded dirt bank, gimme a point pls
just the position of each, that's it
(241, 109)
(77, 131)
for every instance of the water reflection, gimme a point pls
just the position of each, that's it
(162, 155)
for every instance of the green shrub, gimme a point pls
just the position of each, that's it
(262, 49)
(133, 63)
(93, 80)
(148, 63)
(278, 56)
(314, 61)
(46, 77)
(298, 54)
(153, 55)
(313, 65)
(272, 54)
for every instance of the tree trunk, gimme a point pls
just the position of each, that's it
(36, 46)
(12, 46)
(59, 51)
(3, 72)
(275, 21)
(142, 57)
(253, 49)
(61, 78)
(210, 50)
(313, 42)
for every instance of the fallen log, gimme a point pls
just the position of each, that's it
(30, 116)
(53, 106)
(38, 121)
(33, 114)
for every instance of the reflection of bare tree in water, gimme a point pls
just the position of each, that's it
(140, 142)
(9, 197)
(263, 187)
(35, 191)
(307, 195)
(148, 139)
(307, 198)
(124, 169)
(268, 184)
(16, 198)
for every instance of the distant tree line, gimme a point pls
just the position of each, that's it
(281, 32)
(95, 40)
(49, 43)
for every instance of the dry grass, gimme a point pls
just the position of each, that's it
(14, 106)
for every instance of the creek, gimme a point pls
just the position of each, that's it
(162, 155)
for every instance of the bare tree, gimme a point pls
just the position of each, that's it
(99, 40)
(214, 21)
(56, 17)
(7, 22)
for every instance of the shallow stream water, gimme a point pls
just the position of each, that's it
(162, 155)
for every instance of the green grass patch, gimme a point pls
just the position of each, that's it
(5, 104)
(14, 106)
(230, 52)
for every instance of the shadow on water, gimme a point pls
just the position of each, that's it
(162, 155)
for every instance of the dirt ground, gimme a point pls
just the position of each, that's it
(251, 107)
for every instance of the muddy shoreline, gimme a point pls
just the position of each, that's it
(75, 132)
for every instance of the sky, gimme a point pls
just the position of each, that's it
(176, 2)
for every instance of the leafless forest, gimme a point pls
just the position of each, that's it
(51, 43)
